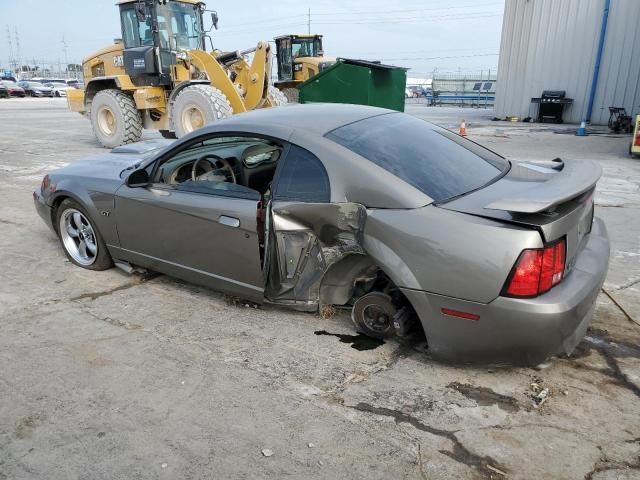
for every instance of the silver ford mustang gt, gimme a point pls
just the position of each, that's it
(405, 223)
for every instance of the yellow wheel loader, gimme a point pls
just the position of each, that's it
(300, 57)
(159, 75)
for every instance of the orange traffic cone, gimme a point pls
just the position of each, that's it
(463, 129)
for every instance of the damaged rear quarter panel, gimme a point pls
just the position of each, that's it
(307, 240)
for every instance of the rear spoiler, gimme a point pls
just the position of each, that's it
(577, 177)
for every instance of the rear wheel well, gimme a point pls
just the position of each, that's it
(356, 276)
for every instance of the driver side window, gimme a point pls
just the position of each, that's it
(227, 166)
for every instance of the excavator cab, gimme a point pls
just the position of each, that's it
(300, 57)
(153, 34)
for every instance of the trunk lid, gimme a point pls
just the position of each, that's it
(555, 198)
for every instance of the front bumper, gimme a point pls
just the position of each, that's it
(42, 94)
(44, 210)
(519, 331)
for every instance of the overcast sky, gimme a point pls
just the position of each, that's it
(423, 35)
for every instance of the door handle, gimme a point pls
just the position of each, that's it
(229, 221)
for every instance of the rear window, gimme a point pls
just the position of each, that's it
(437, 162)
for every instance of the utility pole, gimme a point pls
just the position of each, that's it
(309, 22)
(18, 59)
(11, 57)
(66, 59)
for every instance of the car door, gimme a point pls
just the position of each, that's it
(206, 238)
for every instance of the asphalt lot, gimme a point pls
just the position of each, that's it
(109, 376)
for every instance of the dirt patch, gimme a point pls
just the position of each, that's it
(26, 425)
(138, 280)
(486, 397)
(87, 355)
(327, 312)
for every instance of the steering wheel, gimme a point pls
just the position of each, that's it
(216, 163)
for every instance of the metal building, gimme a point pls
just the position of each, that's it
(556, 44)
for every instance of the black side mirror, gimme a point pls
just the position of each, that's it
(139, 178)
(141, 12)
(214, 19)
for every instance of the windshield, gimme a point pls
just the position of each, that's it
(179, 26)
(306, 47)
(437, 162)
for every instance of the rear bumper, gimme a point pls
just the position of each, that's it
(519, 331)
(44, 210)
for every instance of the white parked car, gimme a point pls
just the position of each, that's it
(59, 89)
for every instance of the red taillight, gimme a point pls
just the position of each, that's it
(637, 140)
(537, 270)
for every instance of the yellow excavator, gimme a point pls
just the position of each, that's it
(159, 75)
(299, 58)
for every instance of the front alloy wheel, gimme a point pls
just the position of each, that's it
(78, 237)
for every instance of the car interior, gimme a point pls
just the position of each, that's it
(239, 164)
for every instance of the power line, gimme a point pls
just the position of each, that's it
(247, 30)
(445, 57)
(429, 19)
(386, 12)
(262, 22)
(337, 14)
(443, 50)
(412, 11)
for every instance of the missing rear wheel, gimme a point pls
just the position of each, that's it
(373, 314)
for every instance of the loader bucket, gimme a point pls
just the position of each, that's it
(359, 82)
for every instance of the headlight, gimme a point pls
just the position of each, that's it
(182, 56)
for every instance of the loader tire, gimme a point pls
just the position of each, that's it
(276, 97)
(115, 118)
(197, 105)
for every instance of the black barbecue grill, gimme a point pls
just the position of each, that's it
(551, 105)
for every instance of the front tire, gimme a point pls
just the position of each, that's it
(81, 240)
(115, 119)
(197, 105)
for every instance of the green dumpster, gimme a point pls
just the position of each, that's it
(359, 82)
